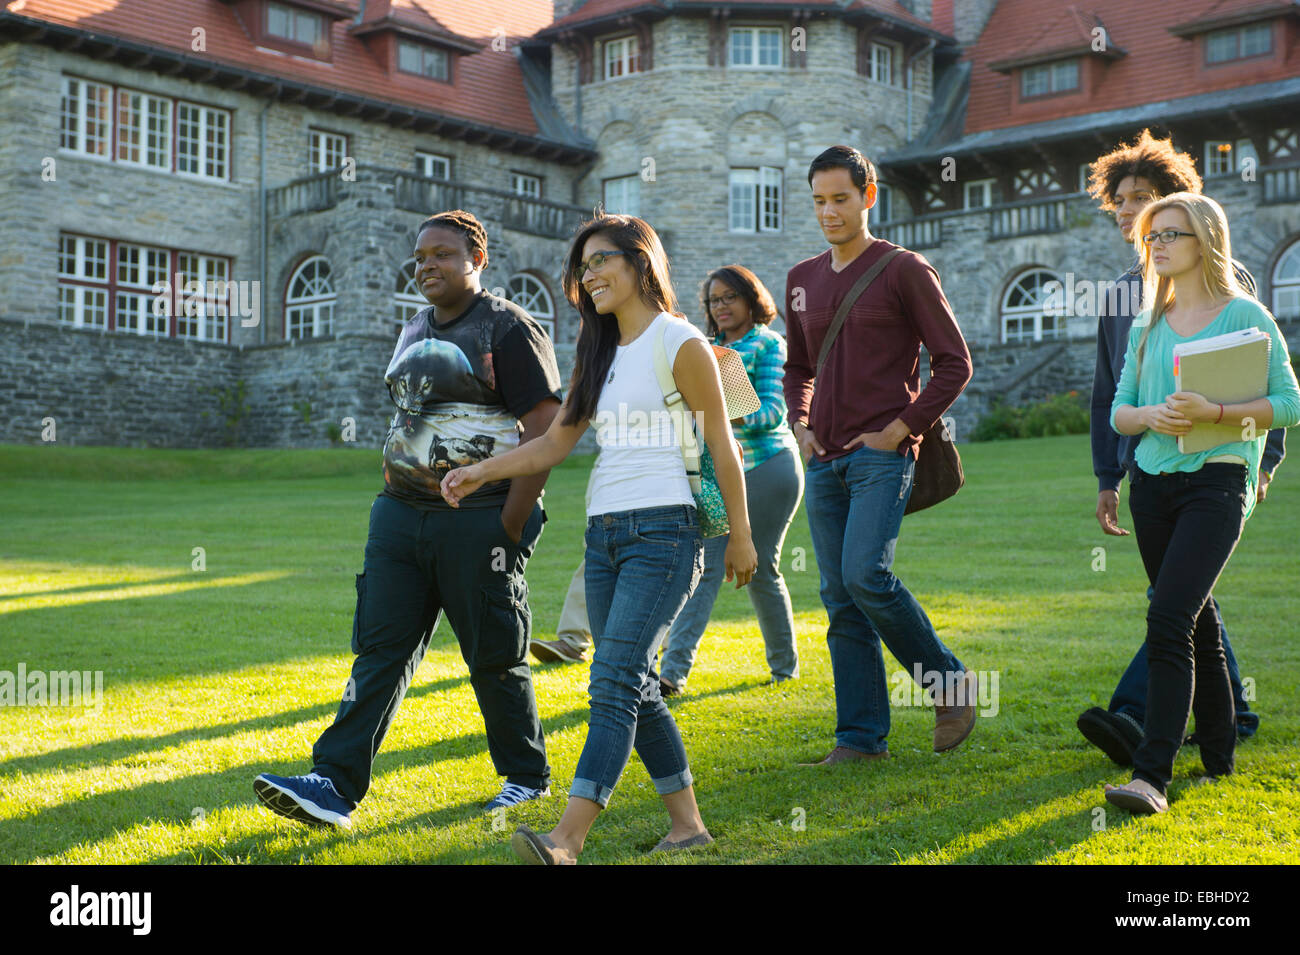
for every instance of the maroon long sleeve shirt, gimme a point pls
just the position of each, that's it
(872, 373)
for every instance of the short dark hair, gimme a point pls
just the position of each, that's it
(1155, 160)
(845, 157)
(745, 284)
(458, 220)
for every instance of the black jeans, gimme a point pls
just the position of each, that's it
(420, 563)
(1187, 527)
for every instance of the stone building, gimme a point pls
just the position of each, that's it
(153, 148)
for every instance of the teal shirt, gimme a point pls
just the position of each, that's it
(1157, 453)
(765, 432)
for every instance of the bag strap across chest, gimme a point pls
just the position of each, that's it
(850, 299)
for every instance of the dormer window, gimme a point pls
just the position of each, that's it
(1048, 79)
(1239, 43)
(621, 57)
(296, 26)
(424, 60)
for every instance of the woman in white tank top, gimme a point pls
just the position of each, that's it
(644, 553)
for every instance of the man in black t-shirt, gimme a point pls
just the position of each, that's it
(472, 376)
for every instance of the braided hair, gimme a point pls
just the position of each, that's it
(458, 220)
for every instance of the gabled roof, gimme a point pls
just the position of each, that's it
(487, 89)
(594, 13)
(1159, 66)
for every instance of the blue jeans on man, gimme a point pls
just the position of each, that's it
(855, 508)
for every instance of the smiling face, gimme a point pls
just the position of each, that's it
(1183, 253)
(443, 265)
(732, 317)
(615, 283)
(841, 208)
(1132, 195)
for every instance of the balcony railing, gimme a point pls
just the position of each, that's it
(1282, 184)
(1028, 218)
(376, 187)
(926, 233)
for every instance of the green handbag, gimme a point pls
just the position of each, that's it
(741, 399)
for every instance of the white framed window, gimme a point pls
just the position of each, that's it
(1049, 78)
(1286, 284)
(1024, 304)
(883, 211)
(1218, 157)
(522, 184)
(622, 56)
(754, 203)
(297, 26)
(309, 306)
(407, 297)
(202, 141)
(530, 293)
(1239, 43)
(882, 63)
(144, 130)
(433, 165)
(203, 307)
(139, 270)
(423, 60)
(623, 195)
(328, 150)
(85, 117)
(755, 47)
(83, 282)
(1244, 151)
(979, 193)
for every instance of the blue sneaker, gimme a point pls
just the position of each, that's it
(311, 799)
(513, 794)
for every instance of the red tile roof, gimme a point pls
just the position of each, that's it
(1158, 65)
(597, 9)
(487, 87)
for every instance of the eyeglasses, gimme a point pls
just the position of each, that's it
(1166, 236)
(595, 263)
(726, 298)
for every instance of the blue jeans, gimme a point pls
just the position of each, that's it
(855, 509)
(641, 567)
(773, 490)
(1130, 697)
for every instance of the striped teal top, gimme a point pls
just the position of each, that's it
(765, 432)
(1158, 453)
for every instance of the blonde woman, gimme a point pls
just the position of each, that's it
(1189, 509)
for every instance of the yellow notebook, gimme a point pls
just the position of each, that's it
(1225, 369)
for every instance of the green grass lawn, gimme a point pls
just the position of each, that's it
(212, 676)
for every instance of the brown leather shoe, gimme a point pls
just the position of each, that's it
(954, 717)
(842, 754)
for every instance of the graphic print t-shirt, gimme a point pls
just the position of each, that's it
(460, 389)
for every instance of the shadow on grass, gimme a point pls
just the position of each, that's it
(81, 757)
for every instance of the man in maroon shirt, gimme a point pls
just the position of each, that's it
(859, 427)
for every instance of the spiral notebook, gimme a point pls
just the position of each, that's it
(1225, 369)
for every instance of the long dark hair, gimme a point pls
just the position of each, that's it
(745, 284)
(598, 335)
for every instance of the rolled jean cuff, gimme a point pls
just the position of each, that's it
(586, 789)
(674, 783)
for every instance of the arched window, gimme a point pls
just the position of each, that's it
(407, 298)
(309, 306)
(528, 292)
(1025, 308)
(1286, 284)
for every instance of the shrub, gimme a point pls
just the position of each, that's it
(1056, 414)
